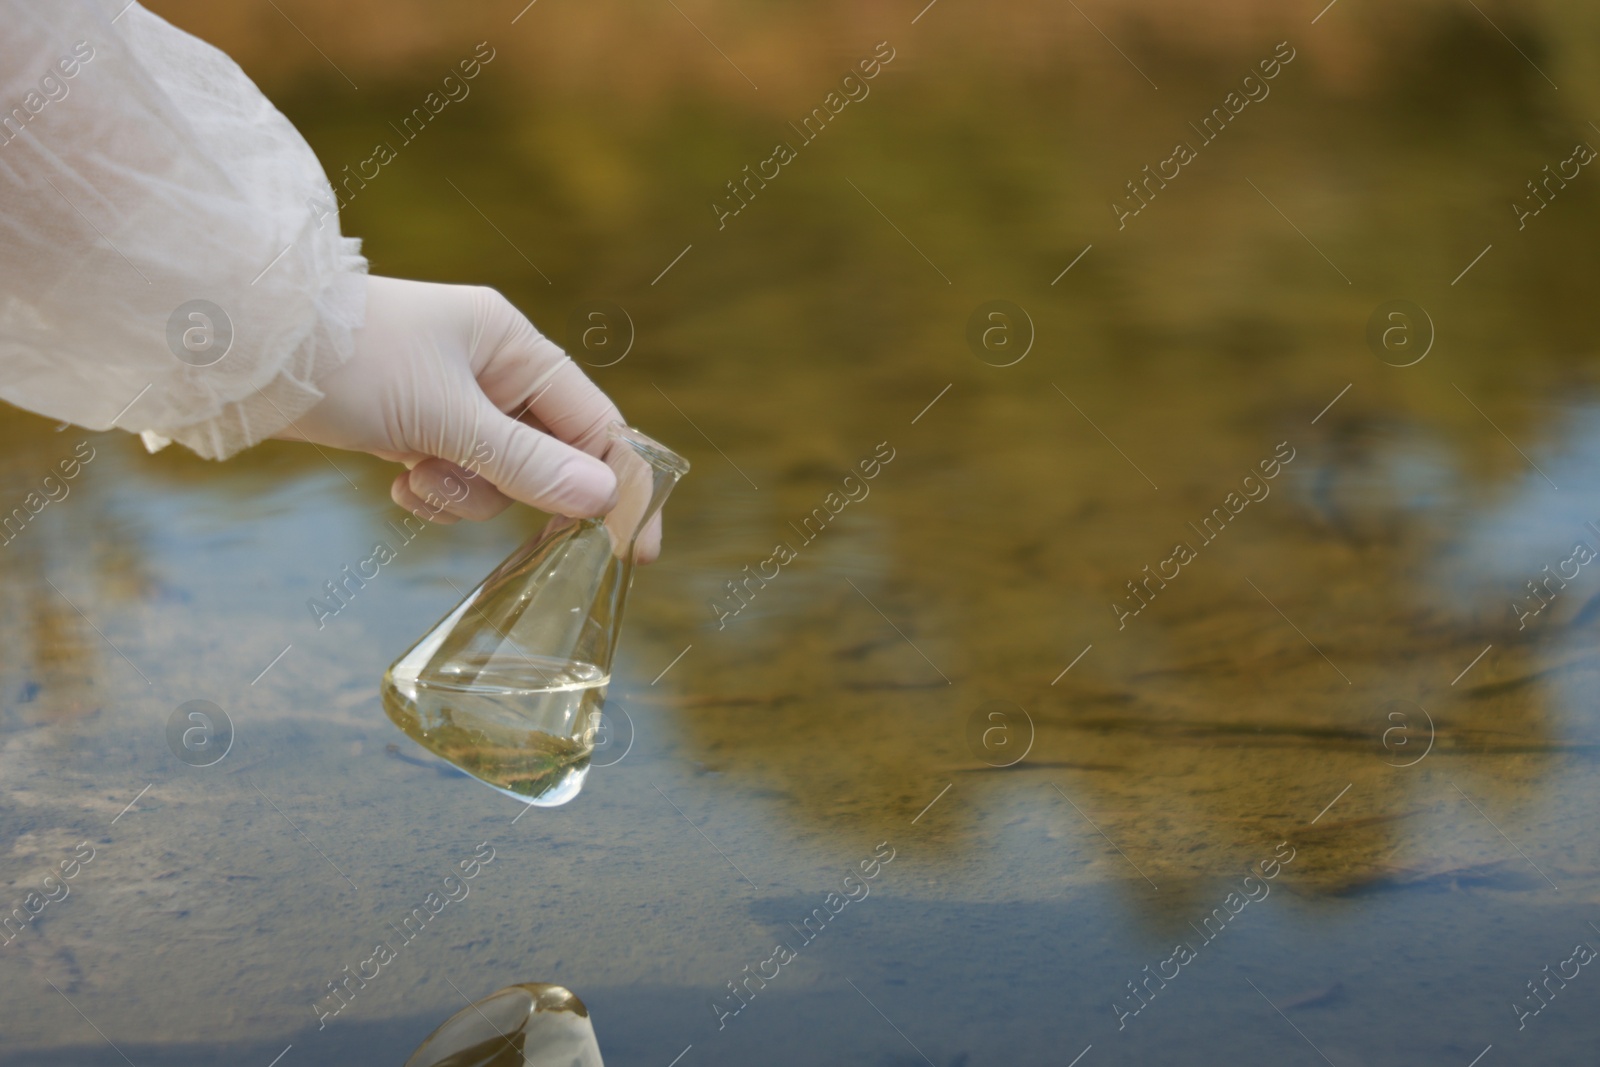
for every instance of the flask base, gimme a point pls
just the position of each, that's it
(490, 725)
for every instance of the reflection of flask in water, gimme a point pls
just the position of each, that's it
(530, 1025)
(510, 684)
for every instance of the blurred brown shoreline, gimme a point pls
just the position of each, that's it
(650, 53)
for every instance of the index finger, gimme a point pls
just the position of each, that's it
(528, 376)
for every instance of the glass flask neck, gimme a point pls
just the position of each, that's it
(647, 471)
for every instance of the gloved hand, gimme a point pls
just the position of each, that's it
(451, 378)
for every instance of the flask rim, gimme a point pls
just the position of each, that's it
(652, 451)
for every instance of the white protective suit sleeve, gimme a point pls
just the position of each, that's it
(142, 171)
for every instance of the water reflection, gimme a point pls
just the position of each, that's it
(528, 1025)
(72, 532)
(1218, 727)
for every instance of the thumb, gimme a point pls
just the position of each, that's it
(539, 470)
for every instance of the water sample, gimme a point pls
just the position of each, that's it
(509, 686)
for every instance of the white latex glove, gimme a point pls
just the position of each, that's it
(451, 378)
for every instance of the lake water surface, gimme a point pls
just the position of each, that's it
(1201, 621)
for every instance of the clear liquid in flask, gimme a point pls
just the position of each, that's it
(527, 732)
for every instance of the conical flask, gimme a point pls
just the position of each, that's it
(510, 684)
